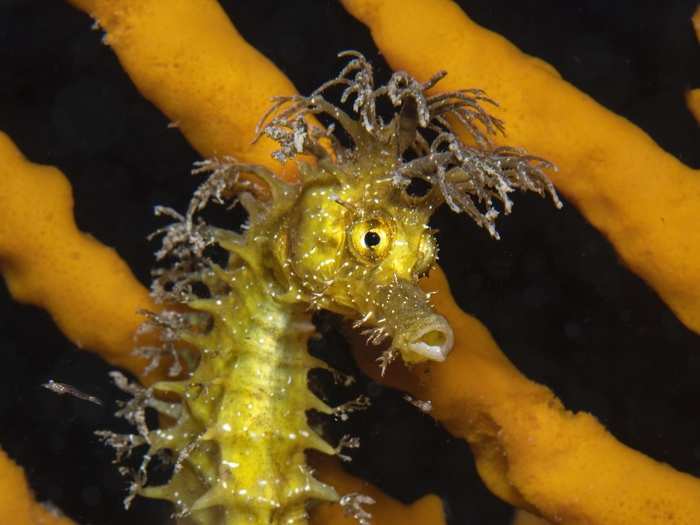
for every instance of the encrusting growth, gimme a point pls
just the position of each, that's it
(351, 236)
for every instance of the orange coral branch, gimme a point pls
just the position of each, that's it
(187, 58)
(529, 449)
(644, 200)
(46, 261)
(525, 518)
(17, 505)
(385, 510)
(692, 99)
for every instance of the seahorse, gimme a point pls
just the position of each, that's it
(351, 236)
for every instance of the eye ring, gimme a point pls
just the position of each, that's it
(370, 239)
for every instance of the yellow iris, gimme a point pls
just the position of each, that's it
(370, 239)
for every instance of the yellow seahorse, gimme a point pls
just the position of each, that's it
(350, 236)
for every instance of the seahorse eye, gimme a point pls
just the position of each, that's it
(370, 240)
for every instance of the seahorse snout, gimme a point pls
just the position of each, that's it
(432, 339)
(401, 310)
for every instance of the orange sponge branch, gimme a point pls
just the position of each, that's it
(187, 58)
(692, 97)
(17, 505)
(385, 510)
(46, 261)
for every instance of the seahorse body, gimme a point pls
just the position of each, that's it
(349, 236)
(246, 411)
(242, 430)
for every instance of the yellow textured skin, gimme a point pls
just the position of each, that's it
(245, 410)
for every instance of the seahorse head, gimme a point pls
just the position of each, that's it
(352, 234)
(356, 240)
(358, 243)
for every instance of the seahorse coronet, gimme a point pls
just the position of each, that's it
(348, 236)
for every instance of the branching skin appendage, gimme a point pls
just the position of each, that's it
(351, 236)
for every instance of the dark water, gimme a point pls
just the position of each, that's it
(552, 290)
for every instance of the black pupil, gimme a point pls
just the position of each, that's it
(372, 239)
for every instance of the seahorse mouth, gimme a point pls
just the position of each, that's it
(433, 342)
(403, 313)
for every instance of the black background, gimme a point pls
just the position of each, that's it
(552, 290)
